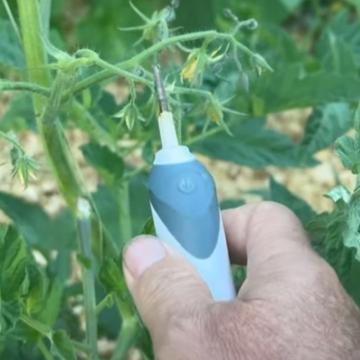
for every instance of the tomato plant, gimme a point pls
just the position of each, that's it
(226, 70)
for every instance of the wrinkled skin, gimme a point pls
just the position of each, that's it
(291, 305)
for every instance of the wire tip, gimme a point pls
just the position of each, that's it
(160, 89)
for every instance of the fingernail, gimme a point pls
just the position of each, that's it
(143, 253)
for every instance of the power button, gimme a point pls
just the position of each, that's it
(186, 185)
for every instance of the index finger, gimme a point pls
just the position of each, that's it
(258, 232)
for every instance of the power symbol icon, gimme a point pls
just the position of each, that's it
(186, 185)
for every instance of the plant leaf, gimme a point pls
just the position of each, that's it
(324, 126)
(38, 228)
(348, 149)
(282, 195)
(111, 277)
(109, 164)
(327, 231)
(252, 144)
(13, 263)
(294, 89)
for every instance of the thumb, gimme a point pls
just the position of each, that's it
(164, 286)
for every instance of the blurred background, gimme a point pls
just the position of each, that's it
(293, 35)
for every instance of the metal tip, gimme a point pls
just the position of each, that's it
(160, 89)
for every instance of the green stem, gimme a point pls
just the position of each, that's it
(130, 328)
(127, 337)
(6, 85)
(139, 170)
(46, 110)
(41, 328)
(204, 136)
(105, 303)
(80, 347)
(124, 209)
(154, 49)
(63, 165)
(136, 60)
(36, 59)
(88, 274)
(11, 140)
(115, 70)
(44, 351)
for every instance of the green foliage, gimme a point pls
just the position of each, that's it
(20, 114)
(62, 346)
(324, 126)
(109, 165)
(264, 57)
(11, 55)
(349, 151)
(280, 194)
(13, 265)
(251, 144)
(37, 228)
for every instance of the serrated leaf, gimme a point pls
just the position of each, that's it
(348, 149)
(324, 126)
(282, 195)
(252, 144)
(62, 346)
(327, 231)
(296, 89)
(109, 164)
(352, 234)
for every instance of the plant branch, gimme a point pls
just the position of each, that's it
(130, 328)
(6, 85)
(124, 211)
(29, 15)
(64, 166)
(106, 302)
(204, 136)
(88, 274)
(139, 58)
(44, 351)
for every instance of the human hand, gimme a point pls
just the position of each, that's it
(291, 306)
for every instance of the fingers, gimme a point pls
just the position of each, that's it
(266, 232)
(164, 286)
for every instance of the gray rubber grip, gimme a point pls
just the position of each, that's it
(184, 197)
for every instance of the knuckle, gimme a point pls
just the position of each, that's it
(326, 276)
(269, 208)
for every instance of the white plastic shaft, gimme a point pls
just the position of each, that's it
(167, 130)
